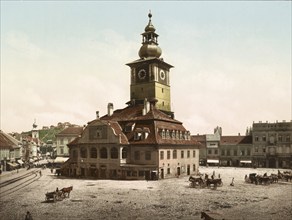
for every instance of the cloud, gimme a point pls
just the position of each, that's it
(22, 45)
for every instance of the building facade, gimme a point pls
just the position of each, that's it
(64, 137)
(272, 145)
(265, 145)
(143, 140)
(10, 152)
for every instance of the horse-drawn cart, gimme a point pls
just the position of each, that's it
(55, 196)
(197, 182)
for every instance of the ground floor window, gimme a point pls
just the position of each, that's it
(141, 173)
(168, 170)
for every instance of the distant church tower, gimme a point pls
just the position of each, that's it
(35, 132)
(150, 74)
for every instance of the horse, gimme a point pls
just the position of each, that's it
(67, 190)
(214, 182)
(205, 216)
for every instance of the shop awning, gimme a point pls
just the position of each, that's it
(245, 161)
(212, 161)
(20, 162)
(12, 164)
(61, 159)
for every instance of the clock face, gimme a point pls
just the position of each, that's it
(142, 74)
(162, 75)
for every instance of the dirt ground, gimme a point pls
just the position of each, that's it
(163, 199)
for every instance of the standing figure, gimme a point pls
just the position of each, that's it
(28, 216)
(232, 183)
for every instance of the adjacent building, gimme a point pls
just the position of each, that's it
(10, 152)
(142, 140)
(264, 145)
(64, 137)
(272, 145)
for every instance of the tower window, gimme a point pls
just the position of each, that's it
(162, 90)
(162, 103)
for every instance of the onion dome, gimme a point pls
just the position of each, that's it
(150, 46)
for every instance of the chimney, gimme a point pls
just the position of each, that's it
(146, 107)
(110, 109)
(238, 134)
(97, 114)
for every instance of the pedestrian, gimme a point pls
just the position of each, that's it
(232, 183)
(52, 170)
(40, 173)
(28, 216)
(57, 190)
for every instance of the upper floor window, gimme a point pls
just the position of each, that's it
(161, 155)
(188, 154)
(248, 152)
(256, 150)
(194, 153)
(264, 150)
(235, 152)
(61, 141)
(216, 151)
(288, 138)
(124, 153)
(137, 155)
(209, 151)
(279, 138)
(182, 154)
(228, 153)
(103, 153)
(222, 152)
(174, 154)
(93, 152)
(114, 153)
(256, 138)
(83, 152)
(168, 154)
(148, 155)
(264, 138)
(74, 152)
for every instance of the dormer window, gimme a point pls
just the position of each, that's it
(177, 135)
(173, 134)
(138, 134)
(167, 133)
(180, 135)
(163, 134)
(146, 132)
(129, 127)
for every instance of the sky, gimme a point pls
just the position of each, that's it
(61, 61)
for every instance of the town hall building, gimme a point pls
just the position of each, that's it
(142, 140)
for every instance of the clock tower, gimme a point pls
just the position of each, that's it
(150, 74)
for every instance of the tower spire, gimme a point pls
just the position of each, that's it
(150, 46)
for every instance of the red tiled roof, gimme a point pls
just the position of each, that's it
(7, 141)
(236, 140)
(148, 125)
(199, 138)
(118, 131)
(70, 131)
